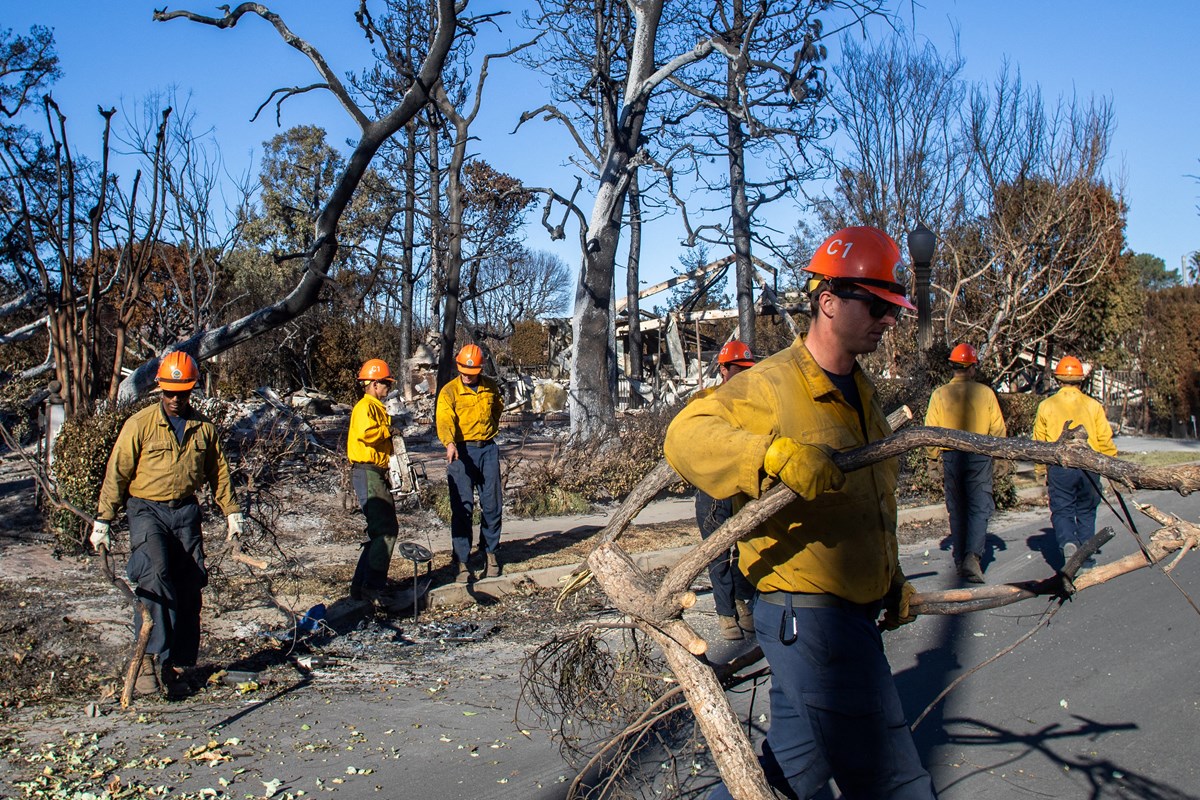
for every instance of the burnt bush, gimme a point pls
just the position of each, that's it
(598, 472)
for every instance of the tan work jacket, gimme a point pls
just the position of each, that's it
(149, 462)
(370, 438)
(965, 405)
(842, 542)
(1068, 403)
(465, 415)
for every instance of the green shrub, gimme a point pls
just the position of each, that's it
(437, 498)
(80, 457)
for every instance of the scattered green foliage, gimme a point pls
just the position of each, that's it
(1019, 410)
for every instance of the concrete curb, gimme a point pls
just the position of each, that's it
(487, 590)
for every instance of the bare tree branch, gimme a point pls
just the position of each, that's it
(231, 18)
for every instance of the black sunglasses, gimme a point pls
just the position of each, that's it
(168, 393)
(877, 307)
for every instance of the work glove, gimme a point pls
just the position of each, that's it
(807, 469)
(236, 523)
(896, 606)
(100, 535)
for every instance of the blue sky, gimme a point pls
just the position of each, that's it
(114, 54)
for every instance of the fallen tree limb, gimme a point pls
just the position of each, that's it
(1178, 535)
(1069, 451)
(657, 611)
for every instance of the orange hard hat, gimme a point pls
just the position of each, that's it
(177, 372)
(375, 369)
(736, 352)
(469, 360)
(866, 257)
(964, 354)
(1069, 369)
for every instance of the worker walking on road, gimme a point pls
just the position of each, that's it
(163, 455)
(468, 418)
(731, 591)
(826, 564)
(368, 447)
(964, 404)
(1073, 493)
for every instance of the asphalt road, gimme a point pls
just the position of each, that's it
(1103, 702)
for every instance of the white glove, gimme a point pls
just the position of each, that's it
(236, 523)
(100, 536)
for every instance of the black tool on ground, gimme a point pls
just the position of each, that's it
(417, 554)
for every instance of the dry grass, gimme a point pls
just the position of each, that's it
(1161, 458)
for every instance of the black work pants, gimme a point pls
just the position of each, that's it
(967, 481)
(166, 565)
(728, 582)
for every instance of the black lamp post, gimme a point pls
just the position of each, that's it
(921, 242)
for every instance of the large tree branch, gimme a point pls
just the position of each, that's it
(552, 112)
(231, 19)
(320, 256)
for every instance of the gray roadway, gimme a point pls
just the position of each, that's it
(1102, 703)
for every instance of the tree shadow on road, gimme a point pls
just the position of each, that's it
(1103, 777)
(1046, 544)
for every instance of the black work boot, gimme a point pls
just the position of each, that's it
(972, 570)
(173, 682)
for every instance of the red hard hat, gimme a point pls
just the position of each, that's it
(964, 354)
(736, 352)
(469, 360)
(375, 369)
(865, 256)
(177, 372)
(1069, 368)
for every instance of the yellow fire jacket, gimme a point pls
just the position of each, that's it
(149, 462)
(1068, 403)
(965, 405)
(466, 415)
(841, 543)
(370, 438)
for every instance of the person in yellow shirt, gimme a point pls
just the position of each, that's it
(964, 404)
(732, 593)
(827, 563)
(1073, 493)
(368, 447)
(468, 418)
(163, 455)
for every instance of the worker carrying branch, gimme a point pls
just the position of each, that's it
(1073, 493)
(827, 564)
